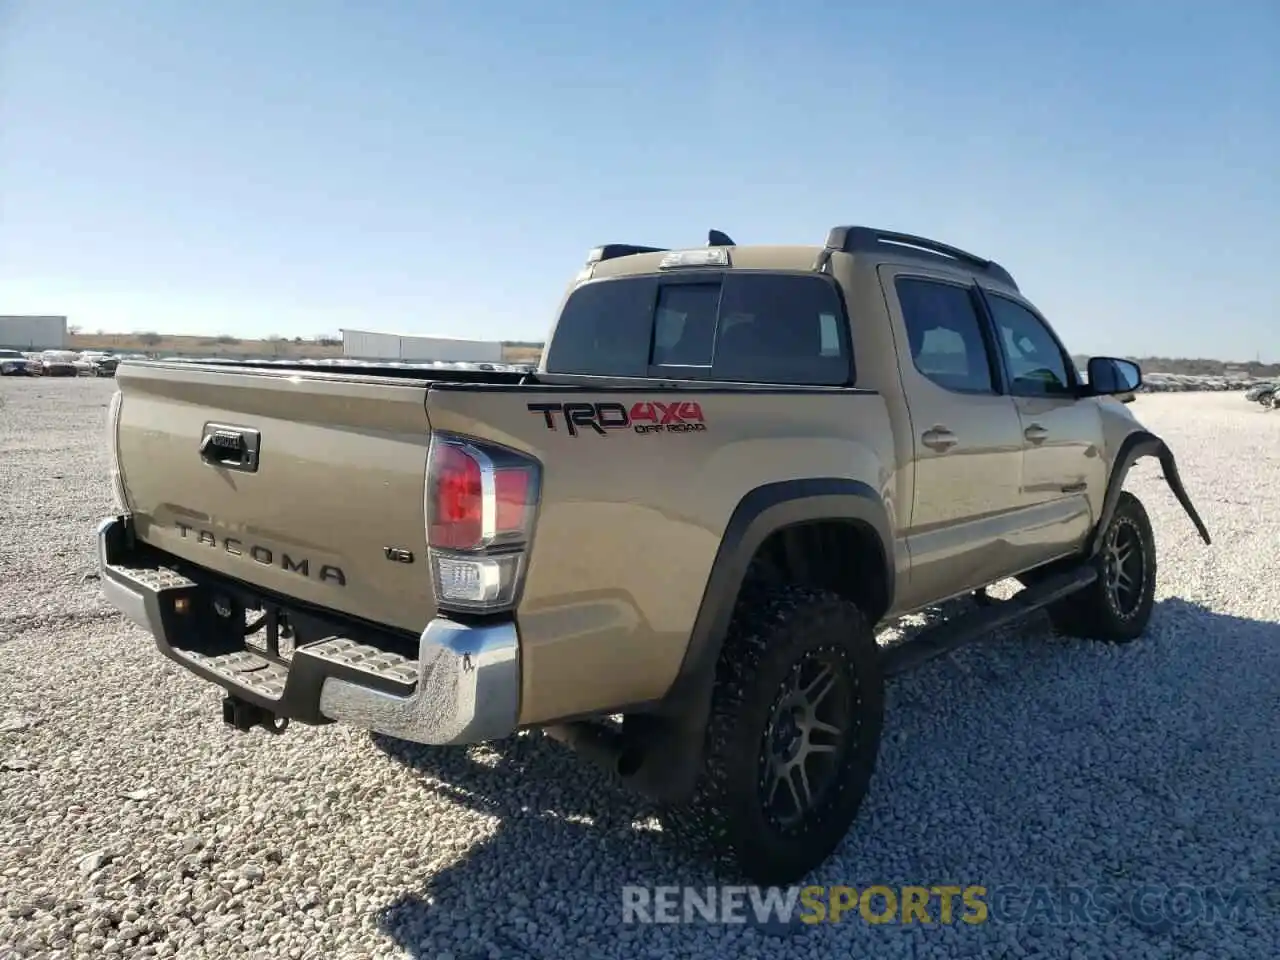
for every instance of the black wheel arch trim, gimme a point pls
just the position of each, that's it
(1139, 444)
(760, 513)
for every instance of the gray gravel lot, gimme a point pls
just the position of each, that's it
(132, 823)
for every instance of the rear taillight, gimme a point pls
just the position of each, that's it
(113, 452)
(481, 504)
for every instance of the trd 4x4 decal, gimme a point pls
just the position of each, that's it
(647, 416)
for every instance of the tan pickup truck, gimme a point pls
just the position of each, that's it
(731, 464)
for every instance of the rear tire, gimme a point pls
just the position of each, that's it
(1116, 607)
(792, 738)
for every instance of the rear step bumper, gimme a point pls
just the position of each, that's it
(464, 686)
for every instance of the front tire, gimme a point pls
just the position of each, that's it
(1117, 606)
(791, 743)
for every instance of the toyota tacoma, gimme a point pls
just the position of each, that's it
(731, 464)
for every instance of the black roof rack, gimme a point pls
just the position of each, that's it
(869, 239)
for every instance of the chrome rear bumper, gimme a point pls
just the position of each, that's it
(468, 689)
(463, 687)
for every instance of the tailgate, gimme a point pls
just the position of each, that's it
(339, 478)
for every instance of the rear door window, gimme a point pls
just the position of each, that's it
(753, 327)
(944, 332)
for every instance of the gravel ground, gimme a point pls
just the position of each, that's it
(132, 823)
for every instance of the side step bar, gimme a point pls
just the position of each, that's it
(982, 622)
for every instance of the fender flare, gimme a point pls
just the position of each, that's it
(760, 513)
(1139, 444)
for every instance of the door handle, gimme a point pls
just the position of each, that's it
(1036, 433)
(939, 438)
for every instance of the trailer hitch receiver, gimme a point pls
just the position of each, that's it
(244, 716)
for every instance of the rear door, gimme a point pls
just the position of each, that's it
(338, 476)
(967, 436)
(1063, 472)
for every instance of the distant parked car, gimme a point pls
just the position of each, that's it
(1261, 393)
(104, 366)
(58, 363)
(14, 364)
(88, 360)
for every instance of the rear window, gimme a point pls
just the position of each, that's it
(748, 327)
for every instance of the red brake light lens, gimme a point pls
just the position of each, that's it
(481, 502)
(477, 497)
(511, 490)
(457, 500)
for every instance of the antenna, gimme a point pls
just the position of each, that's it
(716, 238)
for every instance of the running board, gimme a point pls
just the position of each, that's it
(982, 622)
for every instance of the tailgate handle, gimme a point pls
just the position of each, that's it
(233, 448)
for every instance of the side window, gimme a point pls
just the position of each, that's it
(944, 332)
(1036, 364)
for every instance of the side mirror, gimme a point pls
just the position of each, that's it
(1109, 376)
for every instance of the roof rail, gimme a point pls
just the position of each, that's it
(869, 239)
(610, 251)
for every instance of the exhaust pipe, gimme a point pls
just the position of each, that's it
(602, 745)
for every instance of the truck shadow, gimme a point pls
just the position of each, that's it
(1028, 760)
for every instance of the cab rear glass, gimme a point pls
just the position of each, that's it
(748, 327)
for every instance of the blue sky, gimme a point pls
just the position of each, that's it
(302, 165)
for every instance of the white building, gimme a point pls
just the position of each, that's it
(33, 333)
(368, 345)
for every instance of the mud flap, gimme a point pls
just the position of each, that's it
(1136, 446)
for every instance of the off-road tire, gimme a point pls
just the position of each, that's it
(1095, 613)
(774, 635)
